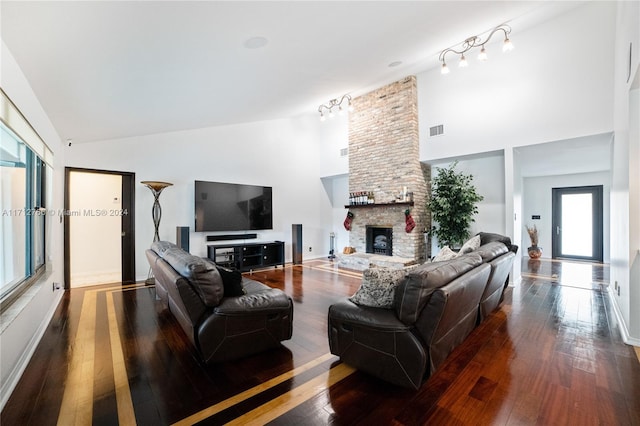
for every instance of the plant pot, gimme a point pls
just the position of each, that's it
(534, 252)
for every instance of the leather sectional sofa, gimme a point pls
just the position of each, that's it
(435, 307)
(224, 314)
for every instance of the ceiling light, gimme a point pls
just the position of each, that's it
(507, 46)
(395, 64)
(482, 56)
(335, 103)
(476, 41)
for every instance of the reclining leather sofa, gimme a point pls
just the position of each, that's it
(221, 327)
(435, 307)
(496, 255)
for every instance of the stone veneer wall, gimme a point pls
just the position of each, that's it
(384, 157)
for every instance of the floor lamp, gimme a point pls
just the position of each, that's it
(156, 213)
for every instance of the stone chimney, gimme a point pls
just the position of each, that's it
(384, 158)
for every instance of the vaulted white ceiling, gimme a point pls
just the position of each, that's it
(112, 69)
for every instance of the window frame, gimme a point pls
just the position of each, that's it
(38, 158)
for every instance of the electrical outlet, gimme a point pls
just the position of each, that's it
(618, 291)
(310, 249)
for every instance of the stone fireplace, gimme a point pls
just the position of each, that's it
(384, 160)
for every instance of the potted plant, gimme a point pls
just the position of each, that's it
(534, 251)
(452, 204)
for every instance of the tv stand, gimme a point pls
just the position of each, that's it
(247, 256)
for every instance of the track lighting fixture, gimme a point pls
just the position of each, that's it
(475, 41)
(335, 103)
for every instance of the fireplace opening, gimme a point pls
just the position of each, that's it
(379, 240)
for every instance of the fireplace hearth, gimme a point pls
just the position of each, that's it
(379, 240)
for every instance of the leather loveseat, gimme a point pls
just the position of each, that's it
(255, 317)
(435, 307)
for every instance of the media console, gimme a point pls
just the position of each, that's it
(247, 256)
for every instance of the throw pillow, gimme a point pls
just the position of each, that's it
(378, 287)
(472, 244)
(232, 281)
(445, 254)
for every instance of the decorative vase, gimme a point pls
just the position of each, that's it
(534, 252)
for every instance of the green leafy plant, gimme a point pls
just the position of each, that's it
(453, 203)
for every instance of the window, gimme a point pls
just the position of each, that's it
(24, 197)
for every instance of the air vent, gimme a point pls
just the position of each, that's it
(436, 130)
(344, 152)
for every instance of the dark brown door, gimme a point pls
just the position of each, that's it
(128, 229)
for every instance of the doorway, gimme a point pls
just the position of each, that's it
(577, 223)
(99, 232)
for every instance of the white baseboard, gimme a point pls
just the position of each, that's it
(95, 278)
(622, 324)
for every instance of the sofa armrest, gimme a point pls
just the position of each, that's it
(250, 286)
(346, 311)
(271, 300)
(245, 325)
(375, 341)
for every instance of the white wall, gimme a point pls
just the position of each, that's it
(283, 154)
(555, 84)
(334, 136)
(537, 201)
(22, 330)
(625, 220)
(513, 208)
(337, 188)
(488, 177)
(634, 206)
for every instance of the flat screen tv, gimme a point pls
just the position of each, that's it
(232, 207)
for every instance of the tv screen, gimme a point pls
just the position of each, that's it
(232, 207)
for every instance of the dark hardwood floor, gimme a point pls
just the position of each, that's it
(551, 355)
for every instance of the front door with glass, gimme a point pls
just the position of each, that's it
(577, 223)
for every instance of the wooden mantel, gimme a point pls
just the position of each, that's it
(399, 204)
